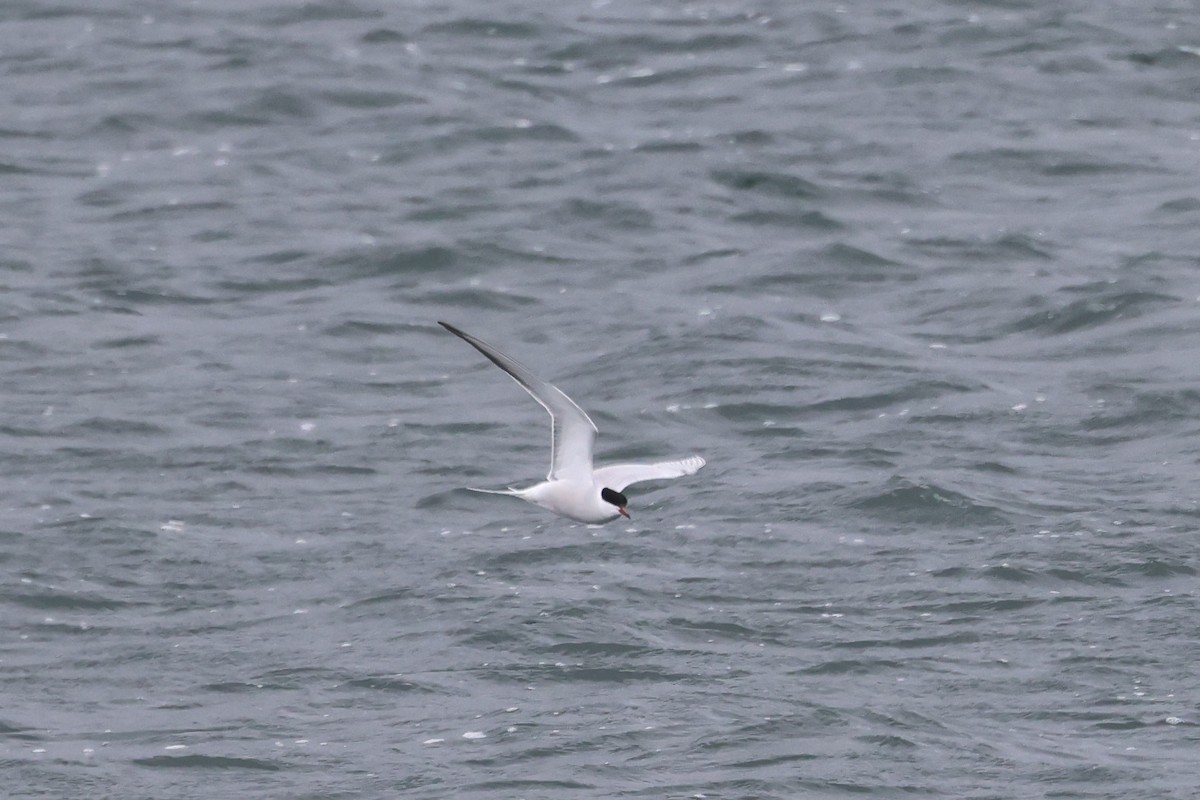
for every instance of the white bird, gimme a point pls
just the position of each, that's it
(573, 488)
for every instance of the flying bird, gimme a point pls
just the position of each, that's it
(573, 488)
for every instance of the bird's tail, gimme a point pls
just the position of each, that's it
(509, 491)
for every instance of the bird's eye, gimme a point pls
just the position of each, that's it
(616, 498)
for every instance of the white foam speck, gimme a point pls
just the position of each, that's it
(175, 747)
(433, 741)
(474, 735)
(831, 317)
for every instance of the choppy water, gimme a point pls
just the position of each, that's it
(919, 279)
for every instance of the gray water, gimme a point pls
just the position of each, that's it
(919, 279)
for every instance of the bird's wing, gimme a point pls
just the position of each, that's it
(572, 432)
(618, 476)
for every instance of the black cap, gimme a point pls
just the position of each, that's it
(616, 498)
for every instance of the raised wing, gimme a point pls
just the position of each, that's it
(572, 432)
(618, 476)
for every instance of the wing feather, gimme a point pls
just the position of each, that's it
(572, 432)
(618, 476)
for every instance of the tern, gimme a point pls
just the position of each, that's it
(573, 488)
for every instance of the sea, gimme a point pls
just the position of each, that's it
(920, 279)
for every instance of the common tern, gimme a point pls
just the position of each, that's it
(573, 488)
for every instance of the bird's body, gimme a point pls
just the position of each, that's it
(573, 488)
(577, 500)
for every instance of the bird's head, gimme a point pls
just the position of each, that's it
(617, 499)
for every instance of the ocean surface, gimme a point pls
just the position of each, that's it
(919, 278)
